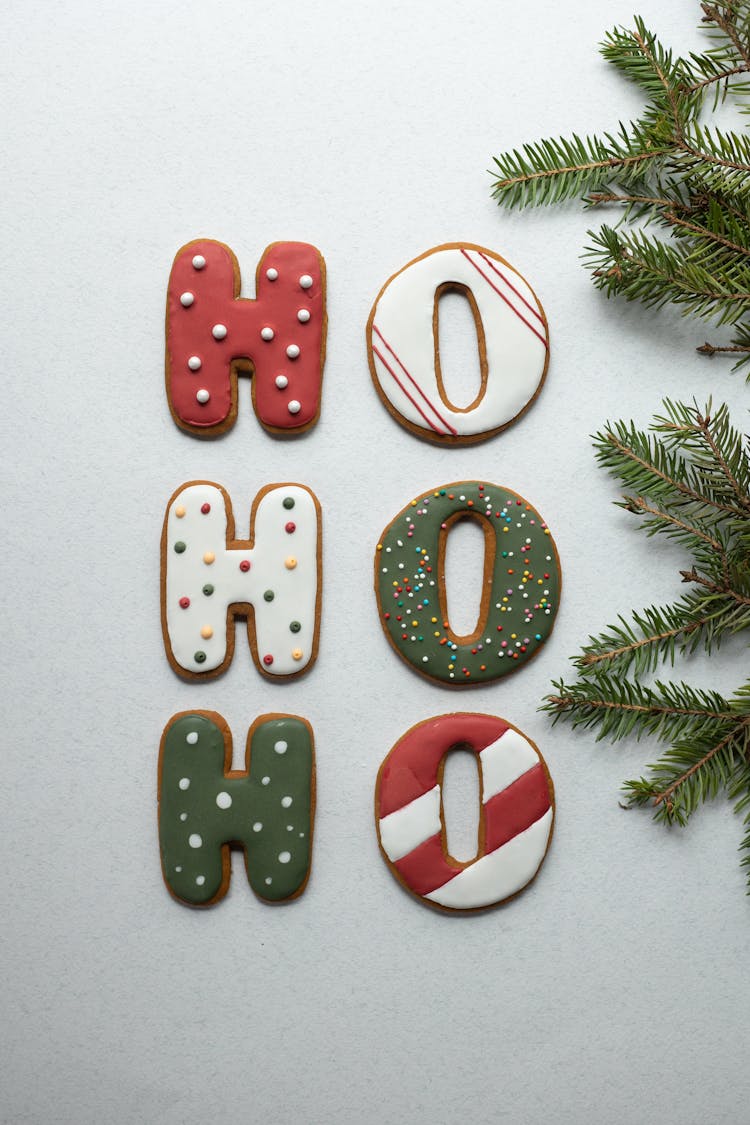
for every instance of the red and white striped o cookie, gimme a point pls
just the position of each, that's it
(515, 825)
(403, 344)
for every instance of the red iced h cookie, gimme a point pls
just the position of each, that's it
(213, 335)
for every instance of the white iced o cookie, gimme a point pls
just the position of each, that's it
(402, 343)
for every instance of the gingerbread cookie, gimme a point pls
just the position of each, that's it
(205, 807)
(515, 824)
(520, 591)
(273, 579)
(214, 335)
(403, 352)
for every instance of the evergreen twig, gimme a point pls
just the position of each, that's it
(667, 168)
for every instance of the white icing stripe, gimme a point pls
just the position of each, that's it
(404, 830)
(282, 563)
(402, 342)
(500, 874)
(504, 761)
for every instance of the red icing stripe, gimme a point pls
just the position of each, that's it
(411, 768)
(413, 381)
(516, 808)
(426, 868)
(504, 298)
(414, 403)
(510, 285)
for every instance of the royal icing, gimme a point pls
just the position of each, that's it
(516, 814)
(520, 594)
(213, 333)
(205, 806)
(273, 579)
(402, 341)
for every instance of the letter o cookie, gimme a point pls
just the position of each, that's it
(515, 824)
(403, 352)
(520, 592)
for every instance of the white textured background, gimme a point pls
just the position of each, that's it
(616, 989)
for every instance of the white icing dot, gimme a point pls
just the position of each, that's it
(284, 857)
(265, 780)
(178, 869)
(183, 816)
(186, 300)
(195, 840)
(198, 262)
(266, 333)
(202, 396)
(281, 747)
(290, 828)
(269, 880)
(303, 316)
(257, 826)
(282, 382)
(184, 783)
(200, 880)
(305, 281)
(286, 802)
(219, 331)
(272, 274)
(294, 406)
(223, 800)
(194, 363)
(292, 351)
(192, 738)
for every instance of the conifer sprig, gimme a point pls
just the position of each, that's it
(667, 168)
(687, 478)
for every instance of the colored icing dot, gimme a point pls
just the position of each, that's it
(282, 382)
(245, 566)
(286, 802)
(281, 746)
(288, 502)
(208, 589)
(305, 281)
(219, 331)
(295, 626)
(184, 783)
(207, 632)
(199, 657)
(186, 300)
(223, 800)
(290, 563)
(284, 857)
(268, 659)
(205, 509)
(179, 511)
(200, 880)
(290, 528)
(209, 557)
(194, 363)
(294, 406)
(179, 547)
(199, 262)
(303, 316)
(266, 333)
(296, 654)
(191, 738)
(202, 396)
(257, 826)
(269, 595)
(195, 840)
(292, 351)
(184, 603)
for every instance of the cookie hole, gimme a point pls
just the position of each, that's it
(460, 360)
(461, 789)
(465, 559)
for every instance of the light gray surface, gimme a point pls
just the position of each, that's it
(616, 989)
